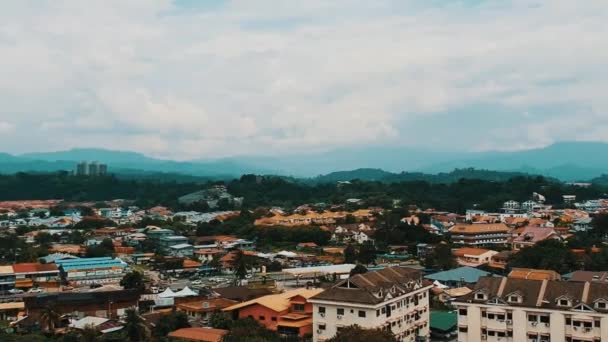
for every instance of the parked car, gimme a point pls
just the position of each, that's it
(15, 291)
(35, 290)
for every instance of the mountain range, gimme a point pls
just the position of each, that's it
(568, 161)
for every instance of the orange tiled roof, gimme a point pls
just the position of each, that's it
(469, 251)
(199, 334)
(33, 267)
(191, 264)
(528, 273)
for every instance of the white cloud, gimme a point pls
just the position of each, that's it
(261, 76)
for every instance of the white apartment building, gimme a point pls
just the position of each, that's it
(394, 299)
(522, 310)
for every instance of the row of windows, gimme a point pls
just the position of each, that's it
(263, 318)
(340, 312)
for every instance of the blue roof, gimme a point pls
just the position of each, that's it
(469, 274)
(88, 263)
(57, 257)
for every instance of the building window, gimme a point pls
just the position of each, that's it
(463, 329)
(509, 315)
(361, 313)
(564, 302)
(340, 312)
(480, 296)
(321, 309)
(600, 305)
(321, 326)
(544, 319)
(462, 312)
(532, 318)
(274, 319)
(568, 321)
(597, 323)
(298, 307)
(377, 313)
(262, 318)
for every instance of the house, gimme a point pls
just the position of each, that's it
(529, 236)
(443, 325)
(165, 242)
(288, 313)
(500, 260)
(582, 224)
(101, 324)
(512, 309)
(181, 250)
(588, 276)
(241, 293)
(394, 298)
(201, 309)
(458, 277)
(198, 334)
(480, 234)
(207, 255)
(473, 257)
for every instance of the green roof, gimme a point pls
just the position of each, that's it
(468, 274)
(443, 320)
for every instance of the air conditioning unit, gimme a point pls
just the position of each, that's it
(484, 337)
(587, 330)
(322, 314)
(534, 324)
(319, 331)
(509, 321)
(339, 316)
(547, 325)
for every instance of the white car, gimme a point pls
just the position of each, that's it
(197, 282)
(15, 291)
(35, 290)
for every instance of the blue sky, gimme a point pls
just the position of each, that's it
(192, 79)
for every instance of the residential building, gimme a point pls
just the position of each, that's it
(289, 313)
(588, 276)
(582, 225)
(500, 260)
(473, 257)
(394, 298)
(201, 309)
(166, 242)
(181, 250)
(480, 234)
(92, 270)
(206, 255)
(529, 236)
(511, 309)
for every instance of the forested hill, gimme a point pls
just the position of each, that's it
(278, 191)
(443, 177)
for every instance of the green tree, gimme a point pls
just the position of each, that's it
(90, 334)
(350, 254)
(241, 265)
(220, 320)
(359, 269)
(133, 280)
(600, 226)
(441, 258)
(355, 333)
(367, 253)
(135, 328)
(44, 239)
(173, 321)
(547, 255)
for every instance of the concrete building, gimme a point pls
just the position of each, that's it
(511, 309)
(92, 270)
(393, 298)
(474, 257)
(480, 234)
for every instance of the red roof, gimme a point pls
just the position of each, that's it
(33, 267)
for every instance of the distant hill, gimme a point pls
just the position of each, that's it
(567, 161)
(389, 177)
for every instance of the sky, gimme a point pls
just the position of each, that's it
(189, 79)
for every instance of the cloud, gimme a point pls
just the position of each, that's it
(182, 80)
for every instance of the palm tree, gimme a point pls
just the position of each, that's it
(50, 319)
(136, 329)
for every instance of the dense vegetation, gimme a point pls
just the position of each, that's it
(264, 191)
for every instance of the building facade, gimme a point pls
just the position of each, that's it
(510, 309)
(394, 299)
(480, 234)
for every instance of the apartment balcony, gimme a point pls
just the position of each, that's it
(584, 333)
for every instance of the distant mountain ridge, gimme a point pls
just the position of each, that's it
(568, 161)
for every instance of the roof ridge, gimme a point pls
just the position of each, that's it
(501, 287)
(362, 276)
(585, 295)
